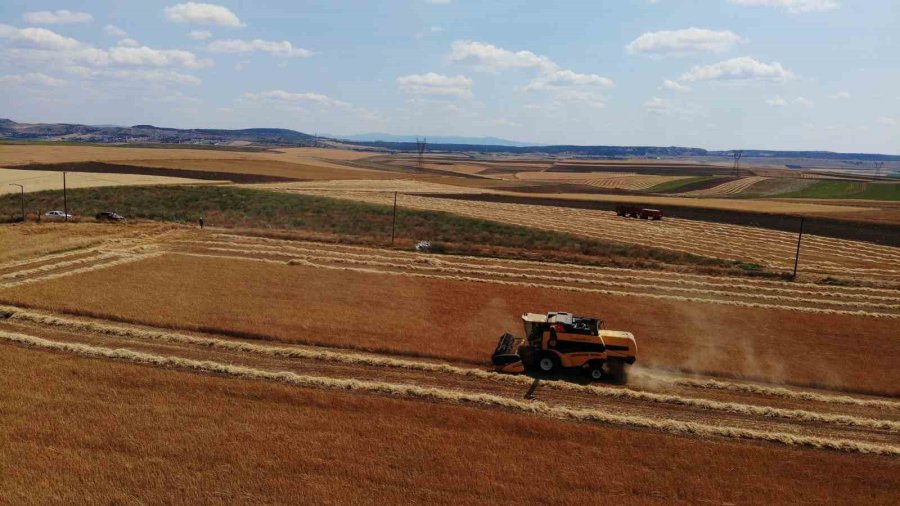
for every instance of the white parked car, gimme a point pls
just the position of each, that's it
(57, 214)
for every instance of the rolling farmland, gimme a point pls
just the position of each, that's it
(287, 323)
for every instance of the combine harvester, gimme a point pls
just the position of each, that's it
(556, 341)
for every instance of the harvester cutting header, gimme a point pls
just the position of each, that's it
(558, 340)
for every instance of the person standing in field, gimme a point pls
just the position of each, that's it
(201, 223)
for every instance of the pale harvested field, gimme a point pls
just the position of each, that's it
(821, 256)
(619, 180)
(728, 188)
(302, 163)
(776, 206)
(35, 181)
(406, 186)
(25, 154)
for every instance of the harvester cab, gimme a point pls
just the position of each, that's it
(559, 340)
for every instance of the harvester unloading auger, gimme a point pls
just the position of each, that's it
(559, 340)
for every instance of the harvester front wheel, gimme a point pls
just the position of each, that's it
(547, 364)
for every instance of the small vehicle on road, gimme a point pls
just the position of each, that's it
(639, 212)
(109, 216)
(57, 214)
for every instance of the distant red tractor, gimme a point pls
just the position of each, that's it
(639, 212)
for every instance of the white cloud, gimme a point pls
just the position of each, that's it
(738, 69)
(152, 75)
(566, 78)
(657, 105)
(436, 84)
(432, 29)
(46, 48)
(780, 102)
(680, 42)
(492, 58)
(884, 120)
(793, 6)
(288, 98)
(566, 85)
(669, 84)
(61, 17)
(199, 34)
(208, 14)
(155, 57)
(841, 95)
(114, 31)
(38, 38)
(282, 48)
(128, 43)
(437, 2)
(31, 78)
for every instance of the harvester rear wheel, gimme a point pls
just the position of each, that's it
(595, 371)
(617, 371)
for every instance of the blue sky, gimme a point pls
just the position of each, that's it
(718, 74)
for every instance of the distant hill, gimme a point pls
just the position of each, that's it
(149, 134)
(437, 139)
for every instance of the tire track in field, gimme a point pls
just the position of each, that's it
(595, 415)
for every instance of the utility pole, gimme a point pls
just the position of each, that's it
(420, 147)
(65, 198)
(737, 163)
(797, 257)
(22, 189)
(394, 221)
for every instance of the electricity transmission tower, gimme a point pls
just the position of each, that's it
(737, 163)
(420, 147)
(878, 167)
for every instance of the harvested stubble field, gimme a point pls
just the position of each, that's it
(197, 438)
(409, 295)
(34, 181)
(404, 338)
(728, 188)
(295, 163)
(620, 180)
(822, 256)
